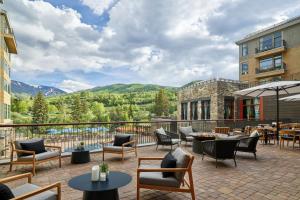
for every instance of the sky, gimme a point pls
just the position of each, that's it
(80, 44)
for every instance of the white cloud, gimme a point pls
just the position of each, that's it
(99, 6)
(72, 86)
(168, 42)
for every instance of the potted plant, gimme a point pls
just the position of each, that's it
(103, 171)
(80, 146)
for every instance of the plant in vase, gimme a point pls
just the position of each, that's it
(80, 146)
(103, 171)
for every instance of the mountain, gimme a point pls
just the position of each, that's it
(126, 88)
(20, 88)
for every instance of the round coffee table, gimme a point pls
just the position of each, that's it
(197, 141)
(93, 190)
(80, 156)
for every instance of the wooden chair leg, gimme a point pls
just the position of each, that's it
(191, 185)
(137, 193)
(122, 156)
(10, 166)
(59, 161)
(33, 168)
(135, 152)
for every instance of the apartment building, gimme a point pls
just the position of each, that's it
(7, 47)
(271, 54)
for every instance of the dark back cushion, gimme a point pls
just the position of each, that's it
(121, 139)
(33, 145)
(168, 162)
(5, 192)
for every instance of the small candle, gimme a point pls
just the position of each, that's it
(95, 173)
(102, 176)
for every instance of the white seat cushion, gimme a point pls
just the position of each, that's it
(40, 156)
(175, 141)
(26, 188)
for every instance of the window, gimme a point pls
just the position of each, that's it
(266, 43)
(278, 62)
(194, 110)
(6, 113)
(183, 111)
(244, 49)
(270, 41)
(251, 108)
(244, 68)
(277, 39)
(266, 64)
(228, 108)
(205, 109)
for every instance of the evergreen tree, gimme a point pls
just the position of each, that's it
(39, 109)
(76, 114)
(161, 103)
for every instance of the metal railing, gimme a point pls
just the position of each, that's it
(259, 50)
(68, 135)
(273, 68)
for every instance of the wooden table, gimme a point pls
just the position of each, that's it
(265, 131)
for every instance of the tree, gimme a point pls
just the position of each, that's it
(161, 103)
(40, 109)
(76, 114)
(99, 112)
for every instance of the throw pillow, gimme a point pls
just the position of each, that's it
(5, 192)
(168, 162)
(35, 145)
(254, 134)
(161, 131)
(121, 139)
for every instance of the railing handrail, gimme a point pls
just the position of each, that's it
(124, 122)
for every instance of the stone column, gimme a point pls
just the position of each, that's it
(199, 110)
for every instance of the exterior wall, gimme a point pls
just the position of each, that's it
(215, 90)
(290, 56)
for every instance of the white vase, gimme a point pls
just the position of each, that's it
(95, 173)
(102, 176)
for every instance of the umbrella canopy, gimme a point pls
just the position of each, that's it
(272, 89)
(291, 98)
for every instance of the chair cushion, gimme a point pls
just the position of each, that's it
(40, 156)
(186, 130)
(254, 134)
(26, 188)
(175, 141)
(161, 131)
(182, 161)
(168, 162)
(156, 178)
(121, 139)
(116, 148)
(5, 192)
(189, 138)
(33, 145)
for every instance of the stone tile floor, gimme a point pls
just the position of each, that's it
(274, 175)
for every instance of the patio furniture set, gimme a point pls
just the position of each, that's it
(168, 176)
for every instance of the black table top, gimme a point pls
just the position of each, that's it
(114, 181)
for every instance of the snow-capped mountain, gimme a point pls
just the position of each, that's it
(18, 87)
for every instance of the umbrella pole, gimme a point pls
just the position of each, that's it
(277, 114)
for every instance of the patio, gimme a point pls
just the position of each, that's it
(274, 175)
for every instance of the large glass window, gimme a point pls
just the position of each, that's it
(194, 110)
(251, 108)
(244, 49)
(6, 113)
(229, 108)
(266, 64)
(244, 68)
(184, 108)
(278, 62)
(277, 39)
(270, 41)
(205, 109)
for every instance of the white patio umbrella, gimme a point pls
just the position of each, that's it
(291, 98)
(272, 89)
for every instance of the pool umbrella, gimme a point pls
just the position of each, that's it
(272, 89)
(291, 98)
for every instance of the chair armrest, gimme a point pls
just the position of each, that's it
(148, 158)
(162, 170)
(130, 142)
(24, 151)
(54, 147)
(107, 142)
(41, 190)
(17, 177)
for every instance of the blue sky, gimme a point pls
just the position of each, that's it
(79, 44)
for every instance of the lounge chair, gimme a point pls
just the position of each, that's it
(166, 138)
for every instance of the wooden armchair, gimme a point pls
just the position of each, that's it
(224, 130)
(30, 190)
(128, 147)
(288, 135)
(150, 176)
(32, 159)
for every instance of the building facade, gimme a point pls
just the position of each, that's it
(7, 47)
(271, 54)
(205, 100)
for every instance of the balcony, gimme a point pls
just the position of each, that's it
(273, 71)
(259, 53)
(10, 40)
